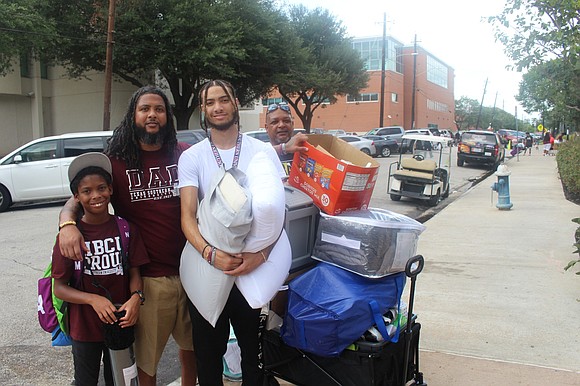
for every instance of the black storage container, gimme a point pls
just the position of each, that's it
(371, 364)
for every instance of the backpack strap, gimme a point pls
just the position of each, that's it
(124, 232)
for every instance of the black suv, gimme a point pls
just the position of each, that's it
(480, 147)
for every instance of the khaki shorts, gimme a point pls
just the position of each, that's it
(164, 313)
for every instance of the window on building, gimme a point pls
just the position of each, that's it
(394, 97)
(437, 106)
(369, 97)
(437, 72)
(371, 52)
(43, 70)
(271, 101)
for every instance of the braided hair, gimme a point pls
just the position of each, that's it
(124, 144)
(227, 88)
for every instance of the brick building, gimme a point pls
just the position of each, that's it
(434, 101)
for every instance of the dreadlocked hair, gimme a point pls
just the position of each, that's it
(124, 144)
(228, 89)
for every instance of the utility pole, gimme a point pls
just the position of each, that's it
(414, 83)
(109, 67)
(493, 111)
(481, 106)
(382, 108)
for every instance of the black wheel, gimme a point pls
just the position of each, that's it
(459, 162)
(395, 197)
(434, 200)
(366, 151)
(386, 152)
(5, 199)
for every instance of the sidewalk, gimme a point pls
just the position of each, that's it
(494, 301)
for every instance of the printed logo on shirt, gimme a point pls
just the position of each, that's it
(104, 257)
(161, 184)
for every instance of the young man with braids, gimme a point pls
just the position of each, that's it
(144, 152)
(225, 146)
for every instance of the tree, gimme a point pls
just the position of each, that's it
(467, 111)
(186, 42)
(23, 31)
(534, 31)
(324, 67)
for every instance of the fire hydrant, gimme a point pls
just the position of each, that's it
(502, 187)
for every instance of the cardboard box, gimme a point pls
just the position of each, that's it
(338, 178)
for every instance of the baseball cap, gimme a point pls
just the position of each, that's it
(89, 159)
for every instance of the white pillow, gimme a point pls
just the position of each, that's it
(260, 285)
(268, 203)
(207, 287)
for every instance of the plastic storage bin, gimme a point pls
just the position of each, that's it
(300, 225)
(372, 243)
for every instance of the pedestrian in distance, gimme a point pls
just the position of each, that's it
(547, 142)
(144, 152)
(226, 147)
(109, 275)
(280, 129)
(529, 142)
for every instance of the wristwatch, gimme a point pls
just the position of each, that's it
(141, 295)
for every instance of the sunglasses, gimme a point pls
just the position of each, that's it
(276, 106)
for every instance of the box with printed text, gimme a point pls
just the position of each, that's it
(336, 175)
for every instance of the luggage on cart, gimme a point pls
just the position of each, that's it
(364, 363)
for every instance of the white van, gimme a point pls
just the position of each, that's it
(39, 170)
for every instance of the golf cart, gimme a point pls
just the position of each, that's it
(426, 174)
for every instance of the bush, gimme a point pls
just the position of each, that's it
(568, 159)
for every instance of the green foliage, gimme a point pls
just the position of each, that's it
(324, 66)
(467, 111)
(577, 245)
(568, 159)
(243, 41)
(22, 31)
(534, 31)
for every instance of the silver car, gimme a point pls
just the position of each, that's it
(365, 145)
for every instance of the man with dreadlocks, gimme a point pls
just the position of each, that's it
(144, 152)
(225, 146)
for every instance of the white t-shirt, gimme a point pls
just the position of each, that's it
(197, 165)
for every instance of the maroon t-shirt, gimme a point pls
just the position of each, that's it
(150, 199)
(103, 263)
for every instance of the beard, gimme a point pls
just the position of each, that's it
(150, 138)
(223, 126)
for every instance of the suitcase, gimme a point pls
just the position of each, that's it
(368, 363)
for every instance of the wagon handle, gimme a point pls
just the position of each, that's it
(414, 266)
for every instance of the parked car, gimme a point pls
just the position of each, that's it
(191, 136)
(480, 147)
(365, 145)
(392, 132)
(383, 145)
(335, 132)
(262, 135)
(38, 170)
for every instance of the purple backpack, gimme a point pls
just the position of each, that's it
(52, 315)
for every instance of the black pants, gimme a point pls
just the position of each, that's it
(87, 362)
(210, 343)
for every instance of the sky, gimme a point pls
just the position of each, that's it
(451, 30)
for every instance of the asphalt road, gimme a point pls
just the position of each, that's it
(27, 235)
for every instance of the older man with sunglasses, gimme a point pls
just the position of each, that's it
(280, 127)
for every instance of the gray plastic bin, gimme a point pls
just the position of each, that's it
(300, 224)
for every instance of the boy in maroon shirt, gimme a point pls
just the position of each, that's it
(107, 278)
